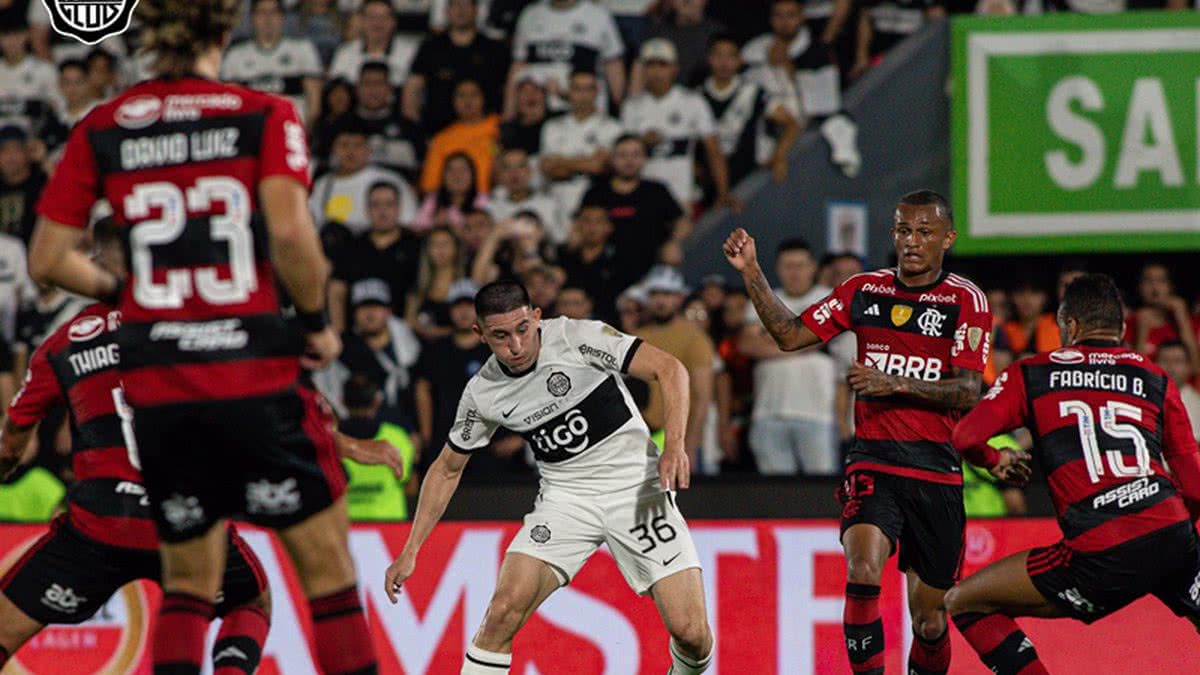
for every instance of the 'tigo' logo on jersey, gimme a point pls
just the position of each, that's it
(917, 367)
(825, 311)
(568, 437)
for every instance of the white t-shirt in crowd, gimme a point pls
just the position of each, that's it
(680, 118)
(280, 70)
(343, 199)
(799, 385)
(348, 59)
(30, 79)
(554, 221)
(15, 284)
(569, 136)
(554, 42)
(813, 90)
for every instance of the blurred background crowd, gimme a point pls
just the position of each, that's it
(571, 144)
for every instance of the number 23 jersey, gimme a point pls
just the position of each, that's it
(571, 407)
(181, 162)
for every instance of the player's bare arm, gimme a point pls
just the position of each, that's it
(370, 451)
(439, 486)
(55, 258)
(959, 392)
(788, 331)
(14, 440)
(652, 364)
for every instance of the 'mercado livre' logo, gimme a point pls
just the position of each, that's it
(90, 21)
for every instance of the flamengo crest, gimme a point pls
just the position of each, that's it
(90, 21)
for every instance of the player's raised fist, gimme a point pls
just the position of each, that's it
(739, 249)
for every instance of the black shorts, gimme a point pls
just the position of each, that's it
(924, 519)
(270, 460)
(1090, 586)
(65, 577)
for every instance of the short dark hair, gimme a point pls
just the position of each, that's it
(255, 3)
(375, 66)
(346, 126)
(793, 244)
(360, 391)
(384, 185)
(630, 137)
(385, 3)
(928, 198)
(500, 297)
(1094, 301)
(1171, 344)
(101, 53)
(72, 63)
(720, 38)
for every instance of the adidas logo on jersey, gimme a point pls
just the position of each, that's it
(873, 310)
(1025, 644)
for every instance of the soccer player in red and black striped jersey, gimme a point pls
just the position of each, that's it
(1107, 423)
(922, 345)
(210, 182)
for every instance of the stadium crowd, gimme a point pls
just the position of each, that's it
(568, 143)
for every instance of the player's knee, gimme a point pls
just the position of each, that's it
(324, 563)
(929, 625)
(863, 570)
(693, 635)
(503, 617)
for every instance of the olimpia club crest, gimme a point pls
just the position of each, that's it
(90, 21)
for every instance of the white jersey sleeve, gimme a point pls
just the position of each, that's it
(470, 431)
(611, 46)
(600, 345)
(704, 124)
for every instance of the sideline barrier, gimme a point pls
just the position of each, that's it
(774, 589)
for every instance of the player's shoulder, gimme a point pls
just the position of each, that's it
(967, 290)
(881, 281)
(90, 323)
(755, 51)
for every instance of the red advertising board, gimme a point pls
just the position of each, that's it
(774, 589)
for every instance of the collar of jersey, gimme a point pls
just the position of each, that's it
(918, 289)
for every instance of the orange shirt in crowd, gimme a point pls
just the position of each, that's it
(477, 140)
(1043, 338)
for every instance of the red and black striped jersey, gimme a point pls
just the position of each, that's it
(920, 332)
(181, 161)
(1104, 419)
(77, 366)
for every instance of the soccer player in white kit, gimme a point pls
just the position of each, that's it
(558, 383)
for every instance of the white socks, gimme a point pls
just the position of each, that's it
(482, 662)
(684, 665)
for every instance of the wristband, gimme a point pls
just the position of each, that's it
(312, 322)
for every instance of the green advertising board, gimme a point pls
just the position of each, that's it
(1077, 133)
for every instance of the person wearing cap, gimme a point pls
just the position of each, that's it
(21, 183)
(671, 332)
(375, 493)
(689, 28)
(671, 120)
(445, 366)
(577, 144)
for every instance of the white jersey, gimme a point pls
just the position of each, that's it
(568, 136)
(548, 210)
(280, 70)
(815, 88)
(572, 408)
(348, 59)
(29, 79)
(555, 42)
(680, 118)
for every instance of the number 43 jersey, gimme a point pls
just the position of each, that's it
(1104, 419)
(572, 408)
(181, 162)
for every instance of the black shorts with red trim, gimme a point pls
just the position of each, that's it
(270, 460)
(65, 577)
(1090, 586)
(923, 518)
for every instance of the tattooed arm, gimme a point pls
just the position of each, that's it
(786, 328)
(959, 392)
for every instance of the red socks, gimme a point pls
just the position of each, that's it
(239, 644)
(930, 657)
(863, 628)
(179, 638)
(340, 629)
(1000, 643)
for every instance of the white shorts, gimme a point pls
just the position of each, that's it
(644, 530)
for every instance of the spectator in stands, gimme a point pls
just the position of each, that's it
(104, 75)
(554, 38)
(475, 228)
(442, 263)
(375, 493)
(1072, 270)
(514, 246)
(752, 129)
(574, 303)
(524, 129)
(646, 218)
(739, 369)
(514, 193)
(668, 330)
(318, 22)
(457, 192)
(1173, 357)
(75, 92)
(841, 267)
(685, 25)
(671, 121)
(442, 372)
(882, 24)
(40, 316)
(15, 287)
(21, 183)
(340, 196)
(577, 144)
(473, 134)
(631, 309)
(444, 59)
(798, 70)
(1001, 355)
(379, 42)
(502, 16)
(386, 251)
(543, 283)
(712, 292)
(590, 261)
(1162, 317)
(269, 61)
(1032, 329)
(397, 143)
(381, 346)
(338, 100)
(792, 428)
(24, 76)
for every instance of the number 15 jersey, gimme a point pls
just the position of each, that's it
(181, 161)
